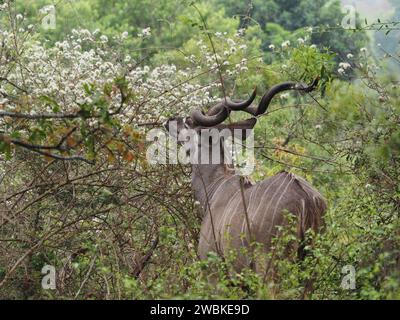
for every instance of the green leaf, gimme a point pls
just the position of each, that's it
(107, 89)
(5, 148)
(88, 88)
(90, 142)
(15, 135)
(50, 101)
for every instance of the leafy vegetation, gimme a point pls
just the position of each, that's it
(79, 194)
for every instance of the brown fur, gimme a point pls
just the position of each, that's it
(266, 203)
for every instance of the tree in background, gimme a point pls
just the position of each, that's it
(388, 41)
(287, 20)
(278, 21)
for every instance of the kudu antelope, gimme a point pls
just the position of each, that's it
(233, 208)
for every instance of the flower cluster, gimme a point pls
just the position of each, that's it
(145, 33)
(229, 59)
(287, 44)
(81, 73)
(343, 66)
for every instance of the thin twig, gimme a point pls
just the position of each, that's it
(87, 274)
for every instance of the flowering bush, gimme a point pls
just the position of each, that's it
(79, 195)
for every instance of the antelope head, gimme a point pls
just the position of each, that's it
(200, 121)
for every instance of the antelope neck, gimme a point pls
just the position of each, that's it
(206, 178)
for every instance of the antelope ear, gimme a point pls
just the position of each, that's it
(244, 127)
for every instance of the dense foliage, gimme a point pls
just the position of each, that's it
(78, 193)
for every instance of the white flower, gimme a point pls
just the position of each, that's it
(240, 32)
(309, 29)
(313, 46)
(349, 56)
(363, 50)
(124, 35)
(88, 100)
(284, 96)
(284, 66)
(47, 9)
(104, 38)
(271, 46)
(344, 65)
(4, 6)
(19, 16)
(341, 71)
(318, 126)
(146, 32)
(285, 44)
(301, 40)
